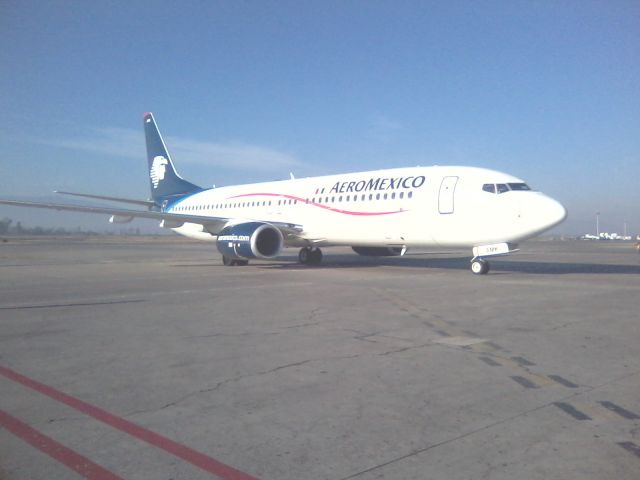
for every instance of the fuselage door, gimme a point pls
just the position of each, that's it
(447, 190)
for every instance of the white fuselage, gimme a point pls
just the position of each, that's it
(411, 207)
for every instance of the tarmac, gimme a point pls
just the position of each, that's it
(145, 358)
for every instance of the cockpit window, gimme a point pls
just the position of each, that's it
(519, 187)
(505, 187)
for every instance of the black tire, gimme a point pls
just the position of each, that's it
(315, 256)
(228, 261)
(480, 267)
(304, 255)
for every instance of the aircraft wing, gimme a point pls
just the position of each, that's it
(169, 220)
(145, 203)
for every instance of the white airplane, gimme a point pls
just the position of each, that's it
(377, 213)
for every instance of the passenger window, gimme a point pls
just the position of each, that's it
(489, 187)
(401, 194)
(410, 194)
(502, 187)
(385, 196)
(393, 196)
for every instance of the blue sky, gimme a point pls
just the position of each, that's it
(248, 91)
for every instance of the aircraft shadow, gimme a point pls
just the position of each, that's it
(460, 263)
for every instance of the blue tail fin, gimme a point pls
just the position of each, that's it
(165, 183)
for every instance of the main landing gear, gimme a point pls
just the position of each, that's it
(310, 256)
(480, 266)
(232, 262)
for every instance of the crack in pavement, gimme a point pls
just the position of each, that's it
(241, 334)
(276, 369)
(404, 349)
(312, 315)
(361, 335)
(242, 377)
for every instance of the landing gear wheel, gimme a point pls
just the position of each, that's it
(310, 256)
(232, 262)
(316, 256)
(304, 255)
(480, 267)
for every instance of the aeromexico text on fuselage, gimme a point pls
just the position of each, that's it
(376, 184)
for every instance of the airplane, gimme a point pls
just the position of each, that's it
(376, 213)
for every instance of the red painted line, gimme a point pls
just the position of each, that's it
(337, 210)
(68, 457)
(200, 460)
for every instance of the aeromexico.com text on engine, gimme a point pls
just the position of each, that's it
(234, 238)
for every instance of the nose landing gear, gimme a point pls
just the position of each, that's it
(480, 266)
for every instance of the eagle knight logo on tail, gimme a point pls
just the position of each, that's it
(158, 170)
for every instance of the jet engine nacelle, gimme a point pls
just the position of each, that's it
(250, 240)
(378, 251)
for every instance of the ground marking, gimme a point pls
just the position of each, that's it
(187, 454)
(56, 450)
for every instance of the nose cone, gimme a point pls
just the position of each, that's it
(554, 212)
(539, 213)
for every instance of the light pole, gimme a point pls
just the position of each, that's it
(598, 224)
